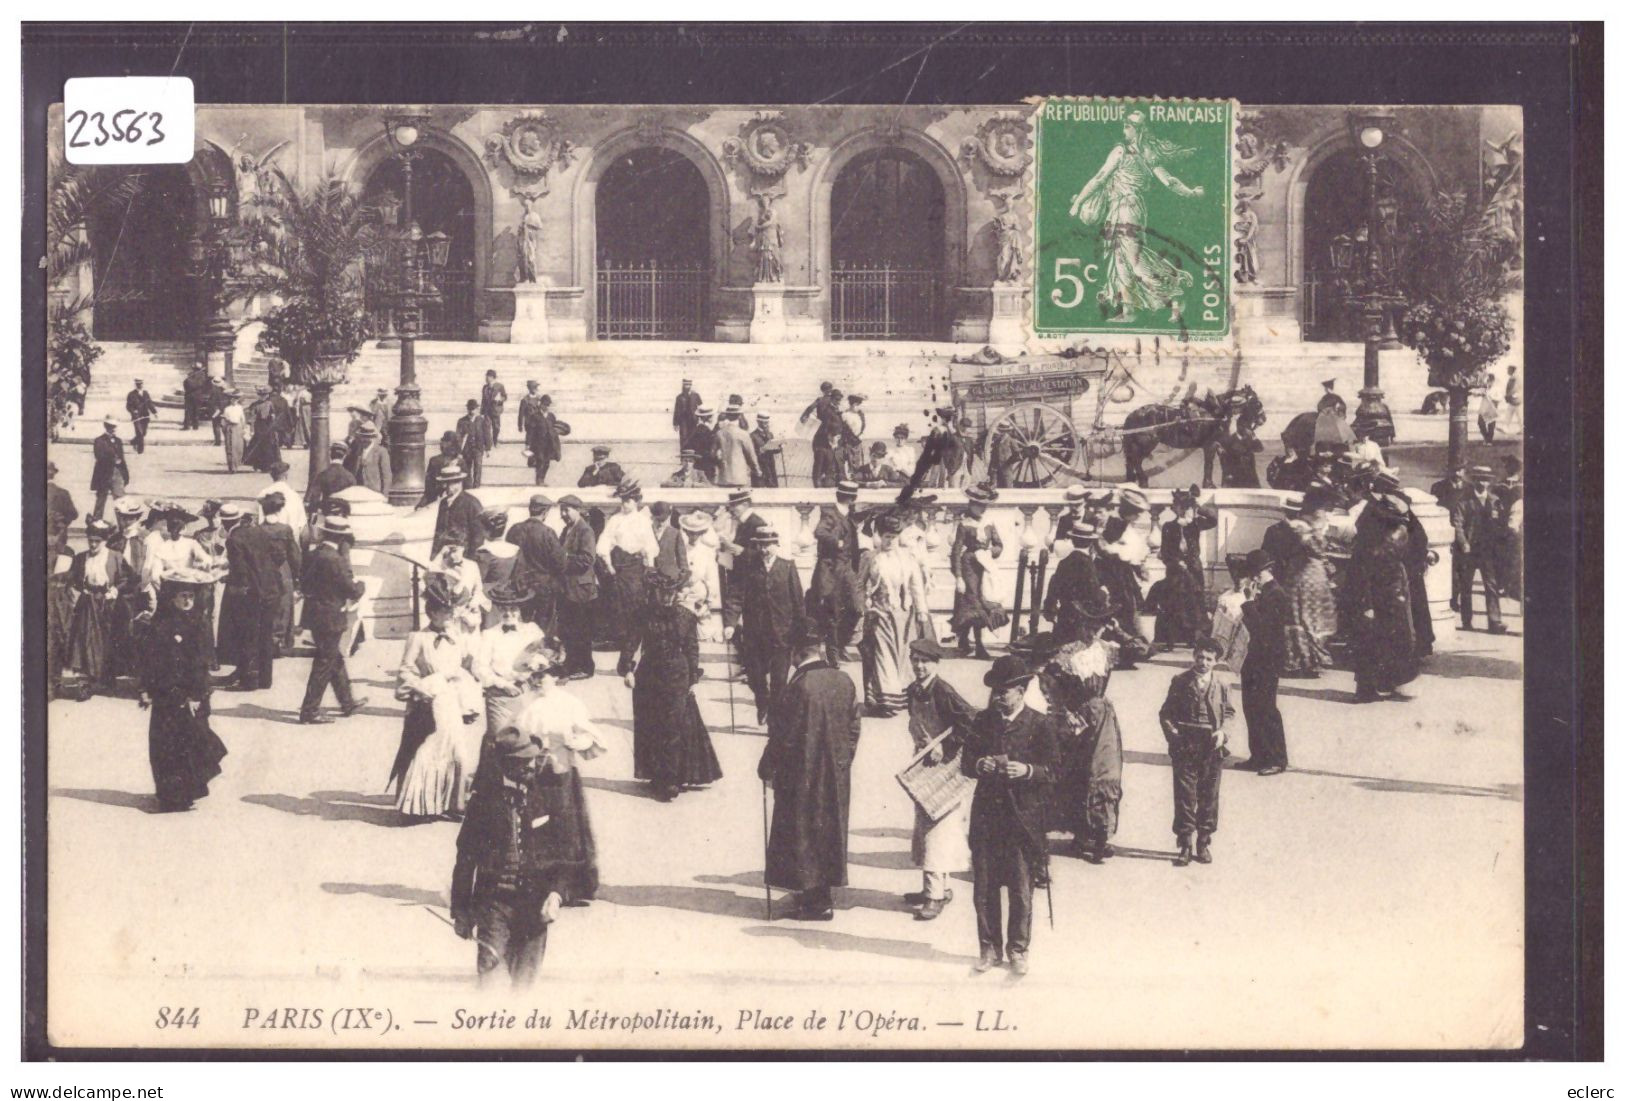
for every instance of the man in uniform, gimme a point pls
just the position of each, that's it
(835, 602)
(329, 588)
(473, 441)
(461, 518)
(1012, 754)
(542, 436)
(139, 404)
(540, 562)
(812, 735)
(110, 476)
(493, 399)
(577, 588)
(1480, 525)
(683, 412)
(334, 478)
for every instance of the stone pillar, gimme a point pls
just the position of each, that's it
(1011, 306)
(529, 314)
(767, 324)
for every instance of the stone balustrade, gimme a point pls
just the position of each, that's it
(388, 537)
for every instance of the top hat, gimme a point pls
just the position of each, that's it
(451, 472)
(1007, 670)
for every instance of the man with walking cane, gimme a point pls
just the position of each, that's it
(812, 734)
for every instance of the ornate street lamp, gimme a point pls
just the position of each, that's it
(219, 339)
(1371, 130)
(407, 424)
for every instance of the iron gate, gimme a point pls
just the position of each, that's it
(651, 301)
(885, 303)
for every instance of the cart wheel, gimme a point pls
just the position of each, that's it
(1044, 440)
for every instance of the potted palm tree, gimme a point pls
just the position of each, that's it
(311, 246)
(1460, 273)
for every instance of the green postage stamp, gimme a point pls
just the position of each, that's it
(1133, 217)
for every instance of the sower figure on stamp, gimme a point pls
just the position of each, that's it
(834, 599)
(525, 847)
(1194, 718)
(1011, 753)
(937, 714)
(812, 735)
(1267, 613)
(771, 618)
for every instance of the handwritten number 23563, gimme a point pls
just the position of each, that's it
(87, 129)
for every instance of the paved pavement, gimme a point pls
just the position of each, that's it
(1372, 896)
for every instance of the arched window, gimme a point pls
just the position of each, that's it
(145, 277)
(1334, 238)
(887, 214)
(654, 245)
(442, 202)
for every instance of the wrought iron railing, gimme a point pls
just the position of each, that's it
(448, 315)
(651, 301)
(885, 303)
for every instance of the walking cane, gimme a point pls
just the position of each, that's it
(728, 656)
(766, 887)
(1049, 897)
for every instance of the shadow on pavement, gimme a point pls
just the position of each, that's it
(340, 806)
(129, 800)
(888, 858)
(883, 831)
(700, 900)
(846, 898)
(1458, 663)
(635, 788)
(831, 941)
(1370, 783)
(396, 892)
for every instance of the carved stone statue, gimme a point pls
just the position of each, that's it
(767, 239)
(1012, 261)
(1246, 227)
(530, 241)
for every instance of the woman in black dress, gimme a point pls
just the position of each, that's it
(184, 751)
(671, 747)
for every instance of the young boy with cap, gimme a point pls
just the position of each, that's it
(1011, 753)
(939, 717)
(1194, 716)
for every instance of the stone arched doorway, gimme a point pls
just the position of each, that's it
(652, 247)
(1335, 218)
(888, 249)
(442, 202)
(144, 275)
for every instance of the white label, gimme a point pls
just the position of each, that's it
(128, 119)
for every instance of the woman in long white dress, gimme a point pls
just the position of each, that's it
(920, 539)
(705, 581)
(440, 739)
(464, 588)
(893, 598)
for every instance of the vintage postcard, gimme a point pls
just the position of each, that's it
(556, 576)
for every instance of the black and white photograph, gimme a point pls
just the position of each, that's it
(593, 574)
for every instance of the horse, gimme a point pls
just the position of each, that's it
(1195, 422)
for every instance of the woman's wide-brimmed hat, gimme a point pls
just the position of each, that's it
(505, 594)
(437, 591)
(1133, 498)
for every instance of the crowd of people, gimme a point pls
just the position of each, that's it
(491, 733)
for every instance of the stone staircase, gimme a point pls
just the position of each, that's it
(622, 390)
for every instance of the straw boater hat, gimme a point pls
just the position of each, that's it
(703, 411)
(128, 506)
(1006, 671)
(1077, 531)
(764, 535)
(696, 521)
(1481, 474)
(1133, 498)
(982, 493)
(1076, 493)
(230, 513)
(846, 489)
(764, 418)
(688, 455)
(451, 472)
(336, 525)
(109, 422)
(739, 497)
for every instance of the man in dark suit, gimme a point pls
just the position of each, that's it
(60, 512)
(539, 565)
(1194, 716)
(772, 616)
(334, 478)
(542, 437)
(110, 476)
(433, 487)
(835, 602)
(139, 404)
(329, 588)
(195, 398)
(529, 405)
(738, 553)
(1076, 583)
(600, 472)
(255, 555)
(769, 452)
(461, 518)
(473, 441)
(577, 589)
(671, 561)
(1480, 525)
(827, 438)
(1011, 752)
(493, 398)
(683, 410)
(1446, 491)
(812, 735)
(1266, 613)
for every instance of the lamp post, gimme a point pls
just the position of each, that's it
(1371, 130)
(407, 424)
(217, 336)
